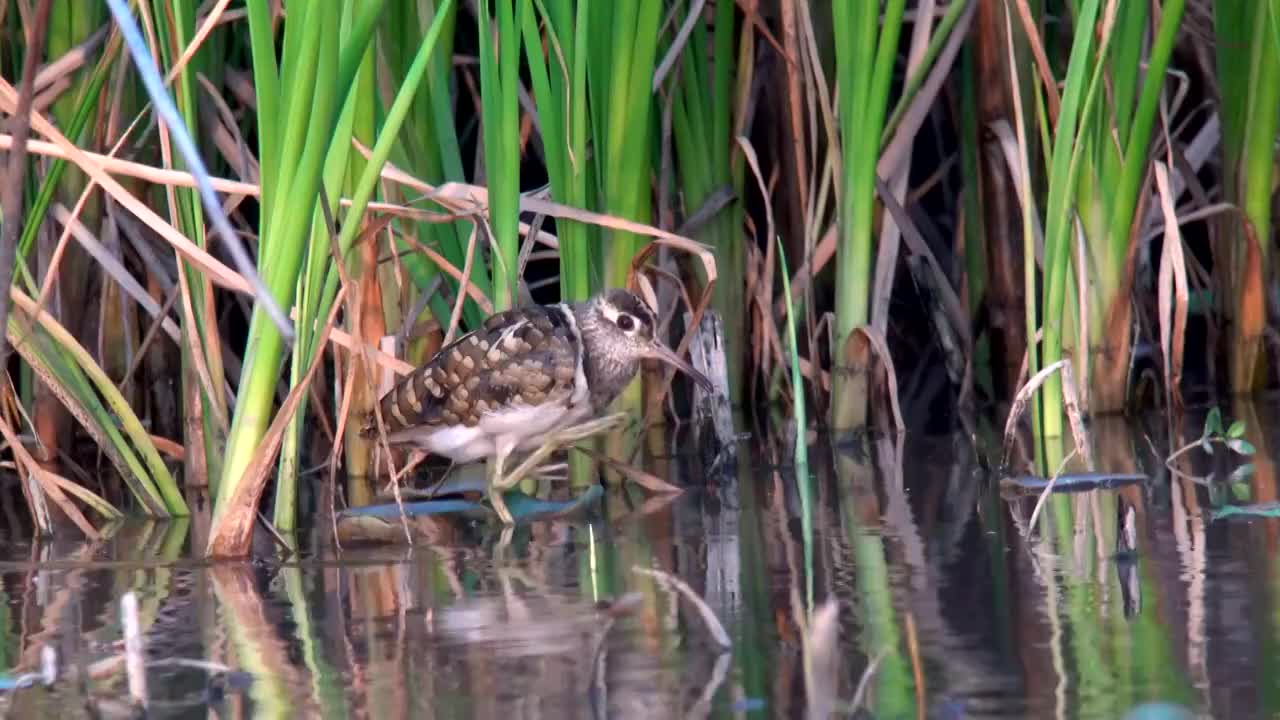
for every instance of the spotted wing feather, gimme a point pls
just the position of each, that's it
(526, 356)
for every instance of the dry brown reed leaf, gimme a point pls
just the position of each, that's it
(26, 305)
(60, 70)
(1173, 293)
(881, 350)
(217, 271)
(232, 529)
(955, 311)
(212, 20)
(228, 140)
(455, 317)
(368, 235)
(795, 99)
(174, 450)
(451, 270)
(708, 260)
(1071, 404)
(1042, 60)
(1013, 150)
(469, 199)
(149, 337)
(896, 153)
(343, 339)
(126, 168)
(47, 485)
(1082, 306)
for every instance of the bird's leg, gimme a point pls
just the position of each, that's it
(497, 483)
(530, 463)
(577, 433)
(560, 439)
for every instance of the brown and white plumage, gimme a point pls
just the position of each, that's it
(523, 375)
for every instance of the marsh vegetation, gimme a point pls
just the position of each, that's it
(1032, 239)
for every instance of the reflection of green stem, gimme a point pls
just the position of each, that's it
(993, 527)
(326, 686)
(1115, 662)
(1158, 669)
(270, 691)
(895, 694)
(803, 481)
(753, 645)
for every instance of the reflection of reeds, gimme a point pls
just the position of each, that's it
(256, 644)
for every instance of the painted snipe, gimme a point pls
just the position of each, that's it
(533, 378)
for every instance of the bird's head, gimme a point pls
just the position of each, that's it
(625, 332)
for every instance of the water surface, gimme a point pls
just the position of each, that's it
(949, 604)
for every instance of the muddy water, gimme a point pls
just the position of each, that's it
(949, 603)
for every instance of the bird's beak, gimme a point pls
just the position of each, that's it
(658, 351)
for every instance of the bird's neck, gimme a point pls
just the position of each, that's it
(607, 374)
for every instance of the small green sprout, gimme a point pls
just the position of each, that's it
(1233, 437)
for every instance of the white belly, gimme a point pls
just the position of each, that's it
(521, 428)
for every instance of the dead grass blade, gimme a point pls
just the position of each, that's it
(47, 485)
(1173, 293)
(881, 350)
(232, 528)
(1071, 403)
(138, 171)
(1032, 34)
(217, 271)
(467, 199)
(455, 316)
(1019, 405)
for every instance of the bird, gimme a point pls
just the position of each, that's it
(532, 378)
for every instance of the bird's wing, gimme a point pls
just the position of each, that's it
(519, 357)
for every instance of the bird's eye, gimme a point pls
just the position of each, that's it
(626, 323)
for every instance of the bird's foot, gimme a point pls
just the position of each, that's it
(499, 482)
(496, 484)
